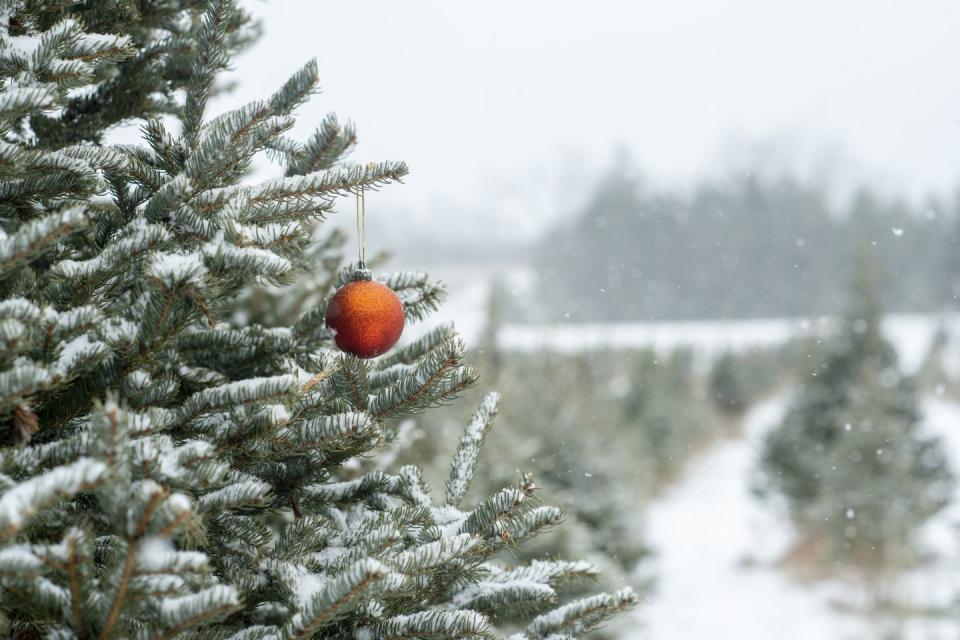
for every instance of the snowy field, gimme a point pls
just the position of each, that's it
(911, 334)
(715, 545)
(717, 550)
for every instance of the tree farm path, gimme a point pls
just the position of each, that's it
(717, 545)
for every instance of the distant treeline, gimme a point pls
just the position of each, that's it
(745, 247)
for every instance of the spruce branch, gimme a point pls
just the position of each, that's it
(37, 235)
(420, 297)
(506, 600)
(413, 351)
(468, 451)
(190, 611)
(340, 592)
(79, 555)
(295, 91)
(243, 392)
(18, 102)
(458, 624)
(536, 521)
(500, 515)
(211, 57)
(22, 503)
(351, 381)
(334, 433)
(257, 632)
(435, 379)
(580, 616)
(324, 148)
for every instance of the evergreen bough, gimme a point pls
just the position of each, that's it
(183, 455)
(727, 386)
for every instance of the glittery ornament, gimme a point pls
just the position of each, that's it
(366, 317)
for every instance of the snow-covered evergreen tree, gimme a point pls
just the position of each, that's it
(850, 456)
(180, 458)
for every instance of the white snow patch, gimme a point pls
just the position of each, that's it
(20, 503)
(76, 351)
(911, 334)
(717, 549)
(178, 267)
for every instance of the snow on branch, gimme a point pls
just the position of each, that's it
(221, 257)
(352, 490)
(468, 451)
(162, 560)
(337, 432)
(38, 234)
(19, 505)
(19, 101)
(19, 561)
(503, 598)
(257, 632)
(536, 521)
(426, 557)
(187, 612)
(98, 47)
(580, 616)
(239, 393)
(552, 572)
(238, 494)
(78, 354)
(501, 515)
(339, 594)
(439, 376)
(23, 379)
(431, 624)
(138, 240)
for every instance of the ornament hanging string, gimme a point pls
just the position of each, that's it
(365, 317)
(362, 226)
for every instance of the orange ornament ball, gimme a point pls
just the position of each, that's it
(366, 318)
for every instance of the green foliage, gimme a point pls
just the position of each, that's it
(663, 413)
(859, 474)
(727, 387)
(737, 380)
(183, 453)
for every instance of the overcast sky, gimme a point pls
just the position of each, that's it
(507, 105)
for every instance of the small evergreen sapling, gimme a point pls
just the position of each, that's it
(727, 386)
(850, 456)
(175, 460)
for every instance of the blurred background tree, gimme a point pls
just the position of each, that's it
(859, 474)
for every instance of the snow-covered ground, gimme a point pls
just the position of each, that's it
(717, 549)
(715, 544)
(910, 333)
